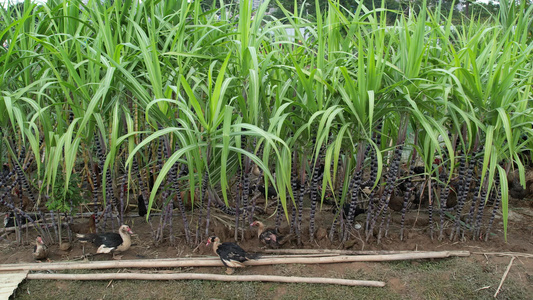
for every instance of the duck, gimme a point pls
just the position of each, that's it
(231, 254)
(40, 251)
(10, 219)
(109, 242)
(270, 237)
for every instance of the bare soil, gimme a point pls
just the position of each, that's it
(474, 277)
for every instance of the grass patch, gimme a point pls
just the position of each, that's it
(456, 278)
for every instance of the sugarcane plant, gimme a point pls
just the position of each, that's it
(323, 98)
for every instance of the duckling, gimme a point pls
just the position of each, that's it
(40, 251)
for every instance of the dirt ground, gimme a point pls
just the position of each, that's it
(474, 277)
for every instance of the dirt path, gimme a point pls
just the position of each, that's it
(474, 277)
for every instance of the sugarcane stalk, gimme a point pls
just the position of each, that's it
(480, 210)
(470, 219)
(144, 194)
(25, 186)
(170, 231)
(443, 199)
(389, 215)
(334, 226)
(390, 183)
(176, 187)
(459, 207)
(69, 219)
(301, 194)
(110, 194)
(408, 189)
(462, 198)
(17, 210)
(370, 213)
(95, 193)
(497, 202)
(374, 162)
(373, 176)
(208, 213)
(254, 199)
(342, 225)
(101, 160)
(294, 186)
(313, 196)
(245, 189)
(279, 209)
(205, 181)
(430, 208)
(245, 184)
(237, 211)
(355, 188)
(107, 212)
(122, 191)
(162, 219)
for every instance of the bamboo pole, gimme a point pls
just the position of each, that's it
(331, 251)
(197, 276)
(176, 263)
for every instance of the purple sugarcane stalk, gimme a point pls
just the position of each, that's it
(205, 181)
(24, 182)
(95, 194)
(385, 197)
(175, 185)
(208, 213)
(408, 191)
(313, 196)
(237, 210)
(479, 216)
(459, 207)
(496, 205)
(122, 188)
(301, 194)
(462, 199)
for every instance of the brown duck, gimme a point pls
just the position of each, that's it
(270, 237)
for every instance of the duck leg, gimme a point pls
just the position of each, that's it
(230, 271)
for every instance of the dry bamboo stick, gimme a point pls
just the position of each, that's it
(174, 263)
(196, 276)
(517, 254)
(504, 276)
(331, 251)
(67, 265)
(55, 266)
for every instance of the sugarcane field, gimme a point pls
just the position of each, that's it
(258, 149)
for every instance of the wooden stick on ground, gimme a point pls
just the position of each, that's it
(174, 263)
(197, 276)
(504, 276)
(517, 254)
(331, 251)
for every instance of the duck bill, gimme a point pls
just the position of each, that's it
(129, 231)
